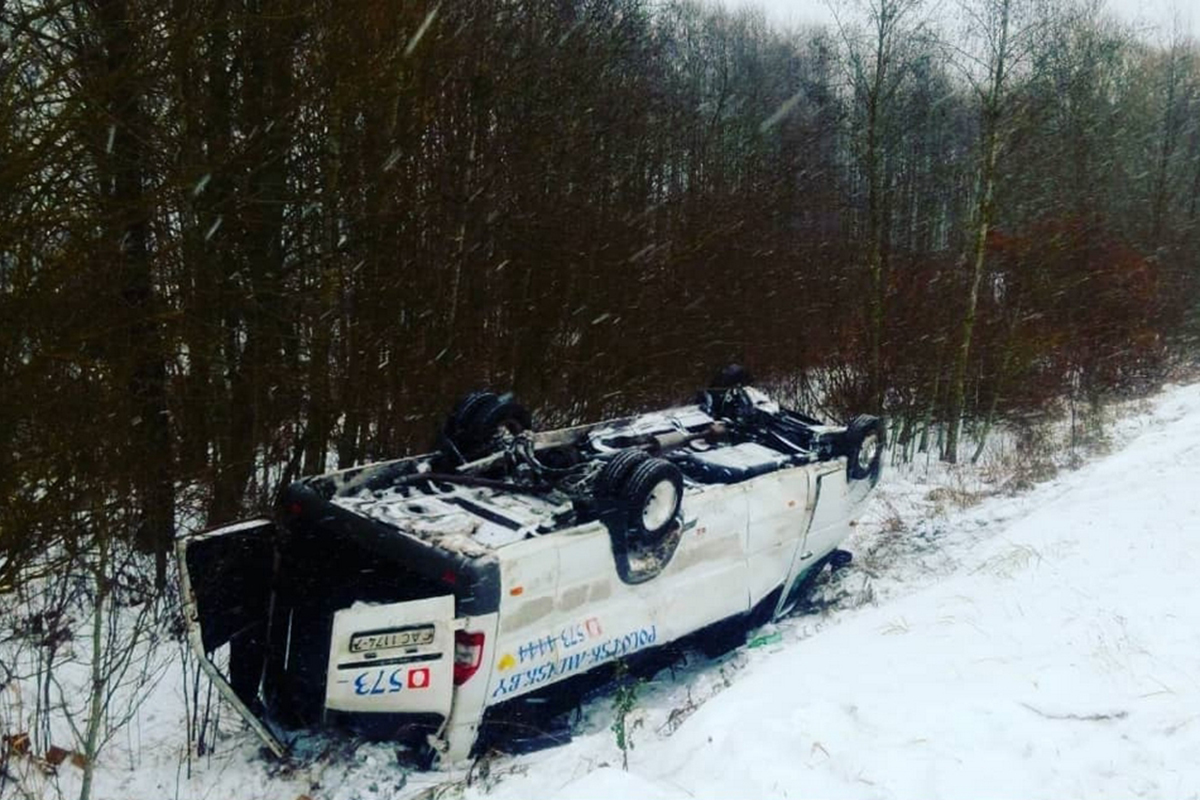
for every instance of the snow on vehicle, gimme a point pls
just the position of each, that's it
(416, 599)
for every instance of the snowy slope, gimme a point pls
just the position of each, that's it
(1039, 646)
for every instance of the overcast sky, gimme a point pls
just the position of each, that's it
(1154, 15)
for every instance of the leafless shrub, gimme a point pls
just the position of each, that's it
(891, 522)
(957, 496)
(1030, 460)
(83, 653)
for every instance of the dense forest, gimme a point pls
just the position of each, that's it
(242, 240)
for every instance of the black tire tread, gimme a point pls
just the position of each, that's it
(505, 410)
(470, 428)
(859, 428)
(465, 408)
(612, 477)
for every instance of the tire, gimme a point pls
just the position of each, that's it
(723, 398)
(652, 495)
(505, 415)
(453, 434)
(465, 408)
(732, 376)
(617, 470)
(864, 447)
(478, 420)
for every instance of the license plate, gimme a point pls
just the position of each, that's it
(392, 639)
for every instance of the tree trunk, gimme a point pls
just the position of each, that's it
(260, 367)
(923, 445)
(991, 151)
(150, 443)
(875, 210)
(99, 680)
(1002, 373)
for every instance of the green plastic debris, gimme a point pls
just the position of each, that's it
(766, 639)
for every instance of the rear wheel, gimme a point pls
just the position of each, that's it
(617, 470)
(652, 495)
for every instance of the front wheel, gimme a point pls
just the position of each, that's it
(864, 447)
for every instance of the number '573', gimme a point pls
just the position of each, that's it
(379, 681)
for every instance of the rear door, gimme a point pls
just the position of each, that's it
(225, 577)
(392, 658)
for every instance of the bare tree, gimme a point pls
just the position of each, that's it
(122, 654)
(1001, 37)
(877, 61)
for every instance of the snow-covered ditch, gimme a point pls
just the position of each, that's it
(983, 644)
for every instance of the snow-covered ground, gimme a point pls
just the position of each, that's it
(983, 644)
(1043, 645)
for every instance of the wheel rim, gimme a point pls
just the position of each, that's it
(660, 505)
(867, 452)
(504, 434)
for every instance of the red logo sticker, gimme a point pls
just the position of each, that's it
(418, 678)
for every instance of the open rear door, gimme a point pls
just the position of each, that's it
(226, 577)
